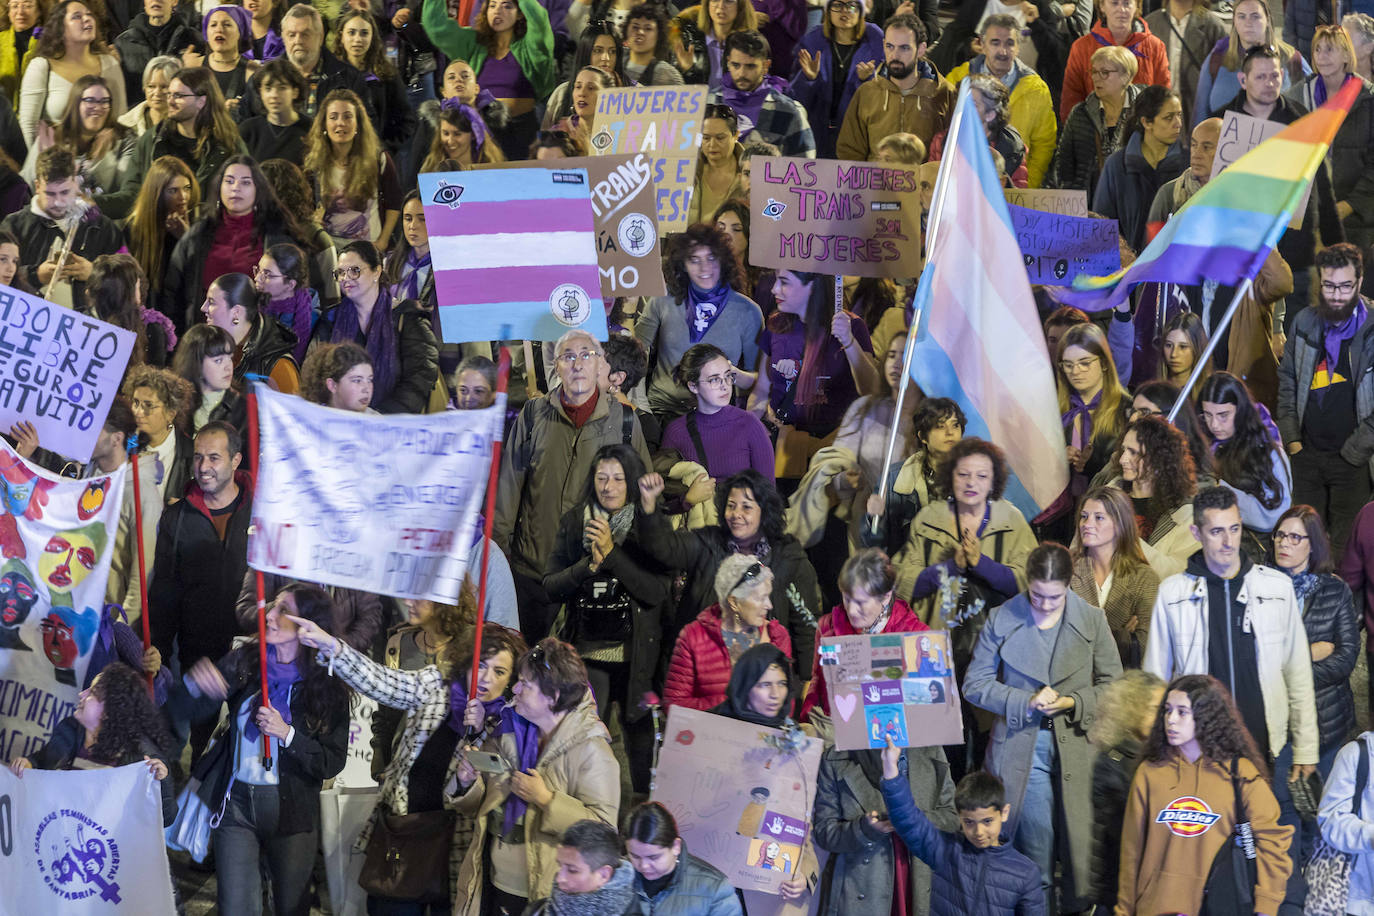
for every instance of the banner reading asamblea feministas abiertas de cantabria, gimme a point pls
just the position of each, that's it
(83, 842)
(383, 503)
(56, 540)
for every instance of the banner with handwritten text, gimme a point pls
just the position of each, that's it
(1057, 248)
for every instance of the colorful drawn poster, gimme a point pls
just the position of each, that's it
(514, 254)
(741, 798)
(835, 217)
(59, 370)
(623, 202)
(655, 119)
(1056, 248)
(56, 539)
(897, 685)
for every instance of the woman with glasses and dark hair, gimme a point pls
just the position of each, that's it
(833, 60)
(612, 593)
(722, 438)
(646, 44)
(1303, 550)
(71, 46)
(701, 307)
(282, 275)
(404, 351)
(751, 525)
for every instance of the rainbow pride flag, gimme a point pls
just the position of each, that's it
(978, 340)
(1225, 231)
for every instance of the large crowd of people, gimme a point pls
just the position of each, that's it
(1159, 660)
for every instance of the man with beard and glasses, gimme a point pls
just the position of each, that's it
(1326, 394)
(908, 95)
(765, 112)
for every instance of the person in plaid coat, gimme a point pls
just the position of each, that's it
(765, 112)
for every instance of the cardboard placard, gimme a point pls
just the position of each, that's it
(624, 203)
(1065, 203)
(740, 803)
(892, 684)
(59, 370)
(514, 254)
(660, 119)
(835, 217)
(1057, 248)
(1241, 133)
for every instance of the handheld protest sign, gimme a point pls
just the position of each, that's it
(897, 685)
(1056, 248)
(513, 249)
(830, 216)
(664, 120)
(59, 370)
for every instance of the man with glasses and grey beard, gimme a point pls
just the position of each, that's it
(1326, 394)
(547, 459)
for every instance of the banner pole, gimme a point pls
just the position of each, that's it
(142, 568)
(1211, 345)
(489, 513)
(256, 452)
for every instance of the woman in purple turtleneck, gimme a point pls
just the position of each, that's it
(720, 437)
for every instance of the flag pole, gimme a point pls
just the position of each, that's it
(142, 568)
(1211, 345)
(937, 207)
(256, 452)
(489, 513)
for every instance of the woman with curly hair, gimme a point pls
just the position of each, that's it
(161, 401)
(205, 358)
(116, 291)
(297, 197)
(114, 724)
(1197, 748)
(1248, 458)
(70, 47)
(357, 40)
(338, 375)
(646, 46)
(1157, 473)
(165, 208)
(915, 481)
(1155, 399)
(751, 523)
(104, 148)
(307, 724)
(701, 307)
(357, 179)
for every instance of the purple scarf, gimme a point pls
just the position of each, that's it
(479, 127)
(297, 313)
(527, 755)
(380, 341)
(1336, 334)
(747, 105)
(1077, 408)
(703, 308)
(1319, 88)
(458, 704)
(280, 677)
(272, 46)
(409, 287)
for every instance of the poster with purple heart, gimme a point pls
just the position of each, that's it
(891, 685)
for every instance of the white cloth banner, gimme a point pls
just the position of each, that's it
(56, 539)
(382, 503)
(343, 814)
(80, 842)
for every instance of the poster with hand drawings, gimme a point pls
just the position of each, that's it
(742, 794)
(898, 685)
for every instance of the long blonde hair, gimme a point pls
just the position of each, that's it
(1121, 707)
(1107, 418)
(490, 151)
(362, 168)
(1235, 54)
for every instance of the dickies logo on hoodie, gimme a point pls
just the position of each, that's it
(1187, 817)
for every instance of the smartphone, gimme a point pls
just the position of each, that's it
(486, 762)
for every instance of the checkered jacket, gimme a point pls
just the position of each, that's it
(781, 122)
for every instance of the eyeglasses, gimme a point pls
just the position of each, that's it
(144, 406)
(1287, 537)
(841, 6)
(569, 358)
(1103, 73)
(96, 101)
(721, 381)
(753, 572)
(1069, 367)
(351, 273)
(1340, 289)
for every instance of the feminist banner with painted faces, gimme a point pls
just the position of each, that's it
(56, 539)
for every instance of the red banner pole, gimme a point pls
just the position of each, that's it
(489, 516)
(254, 450)
(142, 567)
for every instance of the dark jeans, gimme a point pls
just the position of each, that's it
(248, 833)
(385, 906)
(610, 683)
(1334, 487)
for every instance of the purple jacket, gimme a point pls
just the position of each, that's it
(786, 22)
(816, 95)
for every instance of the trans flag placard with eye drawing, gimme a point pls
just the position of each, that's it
(514, 254)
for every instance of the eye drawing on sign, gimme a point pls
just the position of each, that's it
(448, 194)
(18, 595)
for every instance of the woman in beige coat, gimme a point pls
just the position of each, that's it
(560, 771)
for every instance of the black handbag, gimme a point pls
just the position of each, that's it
(601, 611)
(1231, 881)
(407, 856)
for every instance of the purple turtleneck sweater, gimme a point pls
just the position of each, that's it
(734, 439)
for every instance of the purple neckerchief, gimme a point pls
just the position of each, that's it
(272, 47)
(479, 127)
(1319, 89)
(296, 312)
(411, 284)
(106, 636)
(1336, 334)
(280, 677)
(458, 704)
(526, 736)
(1077, 408)
(747, 105)
(703, 308)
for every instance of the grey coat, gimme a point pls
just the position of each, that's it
(858, 875)
(1002, 679)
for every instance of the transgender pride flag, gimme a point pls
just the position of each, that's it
(978, 339)
(513, 253)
